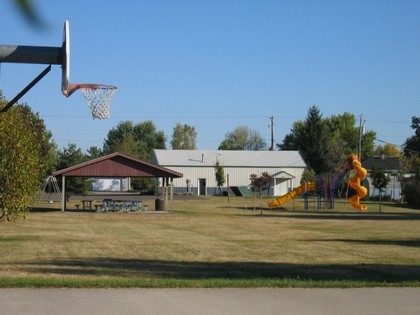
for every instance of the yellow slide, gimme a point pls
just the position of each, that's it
(354, 183)
(278, 202)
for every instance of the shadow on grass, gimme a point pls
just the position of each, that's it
(407, 243)
(43, 209)
(329, 214)
(233, 270)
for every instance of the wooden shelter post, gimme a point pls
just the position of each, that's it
(63, 193)
(166, 193)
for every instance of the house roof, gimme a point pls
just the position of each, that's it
(207, 158)
(282, 175)
(117, 165)
(389, 163)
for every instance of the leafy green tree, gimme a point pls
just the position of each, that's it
(137, 140)
(410, 180)
(324, 143)
(243, 138)
(344, 129)
(70, 156)
(290, 141)
(380, 180)
(259, 183)
(184, 137)
(148, 138)
(410, 163)
(308, 175)
(220, 175)
(25, 156)
(412, 144)
(387, 150)
(121, 139)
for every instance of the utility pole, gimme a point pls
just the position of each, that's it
(361, 126)
(272, 133)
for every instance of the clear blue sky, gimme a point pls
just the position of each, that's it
(220, 64)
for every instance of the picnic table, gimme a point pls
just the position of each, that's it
(121, 205)
(86, 203)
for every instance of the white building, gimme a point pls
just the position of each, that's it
(197, 166)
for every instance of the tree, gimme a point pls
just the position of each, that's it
(412, 144)
(70, 156)
(410, 162)
(184, 137)
(121, 139)
(312, 141)
(324, 143)
(137, 140)
(243, 138)
(25, 157)
(290, 139)
(220, 175)
(94, 152)
(148, 138)
(347, 133)
(410, 181)
(308, 175)
(380, 180)
(387, 150)
(259, 183)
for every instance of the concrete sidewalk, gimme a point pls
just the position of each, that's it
(381, 301)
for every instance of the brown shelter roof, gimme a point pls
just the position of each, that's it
(117, 165)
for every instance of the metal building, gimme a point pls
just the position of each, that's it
(197, 166)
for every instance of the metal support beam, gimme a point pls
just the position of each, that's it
(31, 54)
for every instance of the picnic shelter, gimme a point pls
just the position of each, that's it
(118, 165)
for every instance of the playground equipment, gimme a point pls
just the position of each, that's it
(51, 183)
(97, 96)
(304, 188)
(354, 183)
(352, 164)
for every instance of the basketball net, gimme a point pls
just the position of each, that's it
(98, 97)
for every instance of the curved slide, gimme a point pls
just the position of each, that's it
(354, 183)
(278, 202)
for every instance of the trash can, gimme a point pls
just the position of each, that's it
(159, 204)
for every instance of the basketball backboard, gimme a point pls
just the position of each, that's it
(65, 66)
(98, 96)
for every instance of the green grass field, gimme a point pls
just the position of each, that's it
(210, 242)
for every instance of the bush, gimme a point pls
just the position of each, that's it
(411, 193)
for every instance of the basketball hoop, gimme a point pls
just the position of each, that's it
(97, 96)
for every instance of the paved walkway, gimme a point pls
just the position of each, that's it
(372, 301)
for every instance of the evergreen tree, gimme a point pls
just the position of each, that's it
(70, 156)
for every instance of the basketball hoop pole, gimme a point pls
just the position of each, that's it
(34, 55)
(26, 89)
(31, 54)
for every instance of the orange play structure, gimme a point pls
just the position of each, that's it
(310, 186)
(352, 163)
(354, 182)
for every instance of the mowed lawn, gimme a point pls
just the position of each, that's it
(213, 242)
